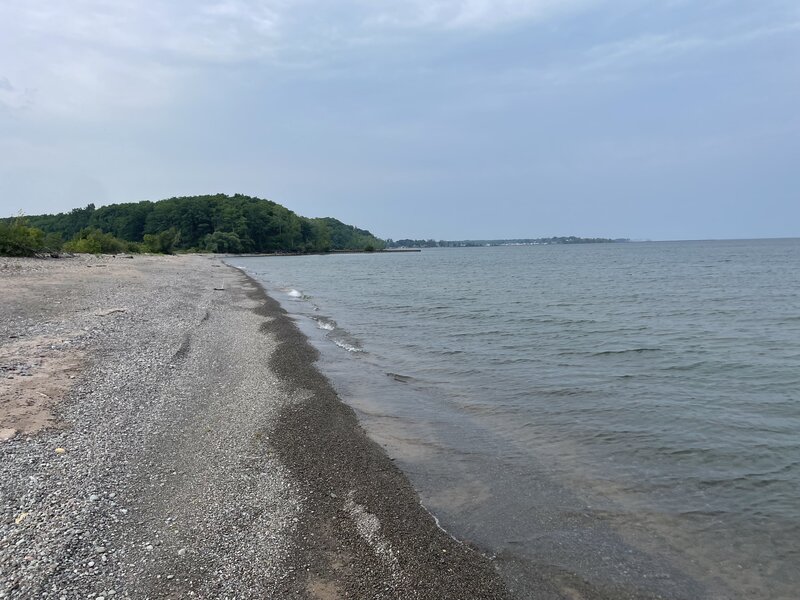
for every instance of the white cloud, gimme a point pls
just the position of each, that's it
(99, 57)
(91, 56)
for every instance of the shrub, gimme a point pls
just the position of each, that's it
(93, 241)
(17, 239)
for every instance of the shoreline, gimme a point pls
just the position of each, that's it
(368, 535)
(542, 576)
(198, 451)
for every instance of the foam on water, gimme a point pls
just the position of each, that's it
(325, 323)
(350, 347)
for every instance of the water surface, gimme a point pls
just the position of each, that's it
(624, 412)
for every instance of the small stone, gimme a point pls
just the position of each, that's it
(123, 511)
(61, 450)
(90, 563)
(94, 498)
(170, 576)
(149, 547)
(100, 549)
(182, 551)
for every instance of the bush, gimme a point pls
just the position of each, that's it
(94, 241)
(17, 239)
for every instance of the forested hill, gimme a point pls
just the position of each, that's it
(217, 223)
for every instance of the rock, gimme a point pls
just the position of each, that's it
(94, 498)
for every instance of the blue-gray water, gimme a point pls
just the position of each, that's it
(629, 413)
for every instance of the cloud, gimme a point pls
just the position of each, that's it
(89, 57)
(468, 14)
(99, 58)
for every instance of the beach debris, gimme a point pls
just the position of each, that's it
(21, 517)
(61, 450)
(221, 286)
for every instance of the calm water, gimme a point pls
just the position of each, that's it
(628, 413)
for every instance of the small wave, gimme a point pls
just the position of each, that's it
(325, 323)
(628, 351)
(347, 346)
(685, 367)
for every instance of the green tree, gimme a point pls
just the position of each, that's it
(163, 242)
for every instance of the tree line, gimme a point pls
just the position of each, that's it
(570, 239)
(215, 223)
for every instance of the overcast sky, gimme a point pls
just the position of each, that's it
(414, 118)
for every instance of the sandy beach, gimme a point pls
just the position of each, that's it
(166, 439)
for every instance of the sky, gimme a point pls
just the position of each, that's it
(445, 119)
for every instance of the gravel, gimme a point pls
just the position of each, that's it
(166, 486)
